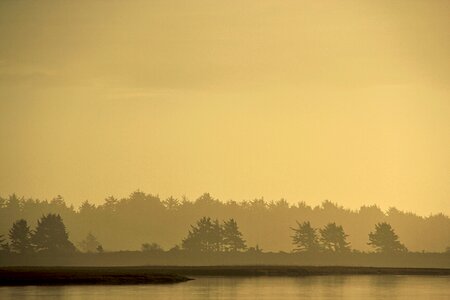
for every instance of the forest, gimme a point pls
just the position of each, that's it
(144, 222)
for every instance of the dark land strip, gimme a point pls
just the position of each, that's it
(19, 276)
(10, 276)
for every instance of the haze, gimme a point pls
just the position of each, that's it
(303, 100)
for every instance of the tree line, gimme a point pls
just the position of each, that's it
(140, 218)
(210, 236)
(207, 235)
(332, 238)
(50, 235)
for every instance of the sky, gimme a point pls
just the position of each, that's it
(304, 100)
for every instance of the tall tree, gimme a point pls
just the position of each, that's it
(232, 237)
(385, 240)
(89, 244)
(51, 235)
(305, 238)
(334, 239)
(172, 203)
(3, 244)
(216, 237)
(20, 236)
(206, 236)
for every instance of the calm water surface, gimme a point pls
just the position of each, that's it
(314, 287)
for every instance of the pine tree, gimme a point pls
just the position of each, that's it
(20, 236)
(305, 238)
(333, 238)
(51, 235)
(232, 237)
(3, 244)
(206, 236)
(216, 236)
(385, 240)
(89, 244)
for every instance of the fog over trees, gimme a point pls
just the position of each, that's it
(305, 238)
(384, 239)
(210, 236)
(144, 221)
(50, 236)
(20, 237)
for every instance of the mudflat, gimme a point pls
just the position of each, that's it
(84, 276)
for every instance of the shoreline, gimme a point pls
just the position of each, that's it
(49, 276)
(22, 276)
(289, 270)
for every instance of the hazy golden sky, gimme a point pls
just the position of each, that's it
(307, 100)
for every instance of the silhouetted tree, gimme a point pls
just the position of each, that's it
(4, 246)
(89, 244)
(216, 236)
(385, 240)
(305, 238)
(206, 236)
(153, 247)
(51, 235)
(193, 241)
(110, 204)
(20, 237)
(232, 237)
(14, 204)
(171, 203)
(87, 208)
(334, 239)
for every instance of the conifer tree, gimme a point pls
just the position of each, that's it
(232, 237)
(51, 235)
(334, 239)
(385, 240)
(20, 237)
(305, 238)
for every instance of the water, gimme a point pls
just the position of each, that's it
(313, 287)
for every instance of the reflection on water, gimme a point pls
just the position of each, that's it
(313, 287)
